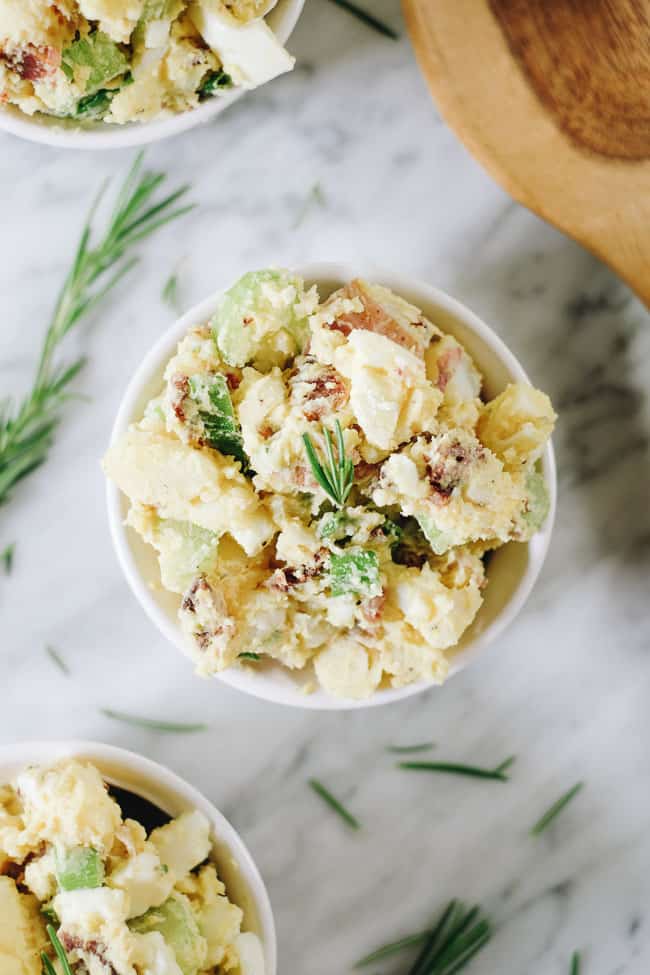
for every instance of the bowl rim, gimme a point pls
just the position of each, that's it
(160, 353)
(47, 130)
(43, 752)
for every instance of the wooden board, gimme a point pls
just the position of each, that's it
(553, 97)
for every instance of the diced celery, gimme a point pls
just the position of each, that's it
(538, 502)
(101, 58)
(335, 525)
(185, 551)
(222, 431)
(213, 83)
(176, 922)
(78, 868)
(439, 542)
(355, 572)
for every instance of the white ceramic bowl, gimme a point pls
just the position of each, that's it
(66, 134)
(173, 795)
(512, 570)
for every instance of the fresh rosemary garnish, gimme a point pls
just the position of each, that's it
(57, 659)
(454, 768)
(27, 429)
(367, 18)
(324, 793)
(7, 557)
(248, 655)
(336, 475)
(170, 727)
(555, 809)
(575, 963)
(456, 937)
(48, 967)
(425, 746)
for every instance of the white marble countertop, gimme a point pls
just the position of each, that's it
(566, 687)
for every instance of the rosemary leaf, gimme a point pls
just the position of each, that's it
(336, 475)
(57, 660)
(247, 655)
(392, 948)
(555, 809)
(367, 18)
(575, 963)
(27, 428)
(454, 768)
(7, 557)
(60, 952)
(327, 796)
(170, 291)
(425, 746)
(169, 727)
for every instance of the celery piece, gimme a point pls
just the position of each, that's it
(176, 922)
(213, 83)
(355, 572)
(78, 868)
(439, 542)
(98, 56)
(538, 502)
(222, 431)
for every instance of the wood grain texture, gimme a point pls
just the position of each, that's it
(554, 99)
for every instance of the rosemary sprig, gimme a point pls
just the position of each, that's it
(448, 947)
(57, 660)
(7, 558)
(169, 727)
(575, 963)
(555, 809)
(27, 428)
(48, 967)
(454, 768)
(367, 18)
(336, 474)
(327, 796)
(424, 746)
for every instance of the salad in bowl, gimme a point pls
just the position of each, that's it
(325, 481)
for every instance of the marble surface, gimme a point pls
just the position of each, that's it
(566, 688)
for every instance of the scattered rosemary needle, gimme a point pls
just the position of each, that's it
(555, 809)
(575, 963)
(170, 727)
(170, 292)
(425, 746)
(57, 659)
(327, 796)
(367, 18)
(454, 768)
(247, 655)
(336, 474)
(48, 967)
(448, 946)
(315, 197)
(27, 427)
(7, 557)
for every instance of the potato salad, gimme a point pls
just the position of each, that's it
(122, 901)
(132, 60)
(322, 481)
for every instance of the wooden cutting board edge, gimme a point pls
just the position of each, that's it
(482, 94)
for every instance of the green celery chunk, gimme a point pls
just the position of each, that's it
(222, 431)
(253, 312)
(439, 542)
(176, 922)
(538, 503)
(335, 525)
(185, 551)
(79, 868)
(95, 105)
(213, 83)
(355, 572)
(99, 54)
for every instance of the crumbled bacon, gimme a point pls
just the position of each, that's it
(447, 366)
(233, 380)
(265, 431)
(372, 609)
(373, 318)
(200, 584)
(181, 385)
(284, 577)
(446, 474)
(33, 62)
(327, 393)
(247, 320)
(92, 947)
(363, 470)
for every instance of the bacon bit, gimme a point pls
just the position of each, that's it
(447, 474)
(301, 476)
(284, 577)
(265, 431)
(329, 386)
(33, 63)
(373, 318)
(199, 585)
(247, 320)
(363, 470)
(447, 366)
(372, 609)
(75, 943)
(182, 386)
(233, 381)
(339, 326)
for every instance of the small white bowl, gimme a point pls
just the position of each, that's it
(512, 569)
(66, 134)
(173, 795)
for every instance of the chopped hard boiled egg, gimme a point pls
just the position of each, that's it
(322, 480)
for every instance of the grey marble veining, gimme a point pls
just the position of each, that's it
(567, 687)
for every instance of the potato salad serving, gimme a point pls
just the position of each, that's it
(132, 60)
(119, 900)
(322, 482)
